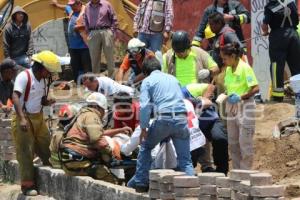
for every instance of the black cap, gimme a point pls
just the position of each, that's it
(180, 41)
(8, 64)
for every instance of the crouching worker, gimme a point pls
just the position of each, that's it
(241, 86)
(30, 133)
(84, 150)
(212, 127)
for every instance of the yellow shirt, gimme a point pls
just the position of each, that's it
(240, 81)
(197, 89)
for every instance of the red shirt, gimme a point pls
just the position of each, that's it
(131, 119)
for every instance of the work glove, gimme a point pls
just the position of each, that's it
(203, 74)
(234, 98)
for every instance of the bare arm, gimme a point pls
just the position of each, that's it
(58, 5)
(113, 132)
(209, 91)
(252, 92)
(120, 75)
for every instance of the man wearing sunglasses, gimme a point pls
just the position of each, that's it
(136, 53)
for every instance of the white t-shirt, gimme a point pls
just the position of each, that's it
(37, 91)
(109, 87)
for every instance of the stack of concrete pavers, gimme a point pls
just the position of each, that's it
(262, 188)
(223, 188)
(7, 149)
(186, 187)
(166, 185)
(154, 176)
(208, 187)
(240, 184)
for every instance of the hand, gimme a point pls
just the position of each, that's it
(228, 18)
(24, 124)
(127, 130)
(166, 36)
(234, 98)
(265, 29)
(143, 135)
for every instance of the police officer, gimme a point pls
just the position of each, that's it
(282, 17)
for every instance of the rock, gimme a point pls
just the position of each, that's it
(292, 163)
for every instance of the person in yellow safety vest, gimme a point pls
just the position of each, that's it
(207, 43)
(29, 131)
(187, 63)
(234, 13)
(241, 86)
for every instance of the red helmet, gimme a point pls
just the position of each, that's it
(68, 111)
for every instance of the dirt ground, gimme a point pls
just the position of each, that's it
(280, 157)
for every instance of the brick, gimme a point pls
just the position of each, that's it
(5, 134)
(223, 198)
(186, 192)
(5, 123)
(244, 187)
(154, 194)
(269, 198)
(186, 198)
(234, 184)
(209, 178)
(6, 143)
(233, 195)
(185, 181)
(166, 187)
(241, 175)
(224, 192)
(169, 195)
(154, 174)
(8, 156)
(168, 177)
(207, 197)
(242, 196)
(261, 179)
(208, 189)
(154, 185)
(267, 191)
(223, 182)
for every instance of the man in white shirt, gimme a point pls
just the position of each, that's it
(29, 130)
(105, 85)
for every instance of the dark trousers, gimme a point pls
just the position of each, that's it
(80, 62)
(284, 47)
(217, 135)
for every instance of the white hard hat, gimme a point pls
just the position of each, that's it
(135, 43)
(97, 98)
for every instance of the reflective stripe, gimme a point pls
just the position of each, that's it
(274, 79)
(196, 43)
(277, 8)
(242, 18)
(277, 94)
(196, 38)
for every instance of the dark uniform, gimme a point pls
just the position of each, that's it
(235, 8)
(284, 42)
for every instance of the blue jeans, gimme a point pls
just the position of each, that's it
(22, 60)
(152, 41)
(177, 129)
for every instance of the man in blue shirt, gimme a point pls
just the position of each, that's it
(161, 94)
(79, 51)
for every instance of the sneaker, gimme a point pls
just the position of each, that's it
(141, 189)
(30, 192)
(208, 169)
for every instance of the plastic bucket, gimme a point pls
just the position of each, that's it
(295, 83)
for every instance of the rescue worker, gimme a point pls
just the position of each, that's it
(233, 12)
(187, 63)
(29, 131)
(282, 17)
(241, 86)
(136, 53)
(161, 94)
(83, 149)
(153, 22)
(8, 72)
(104, 85)
(17, 38)
(211, 125)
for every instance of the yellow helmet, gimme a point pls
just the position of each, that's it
(49, 60)
(208, 33)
